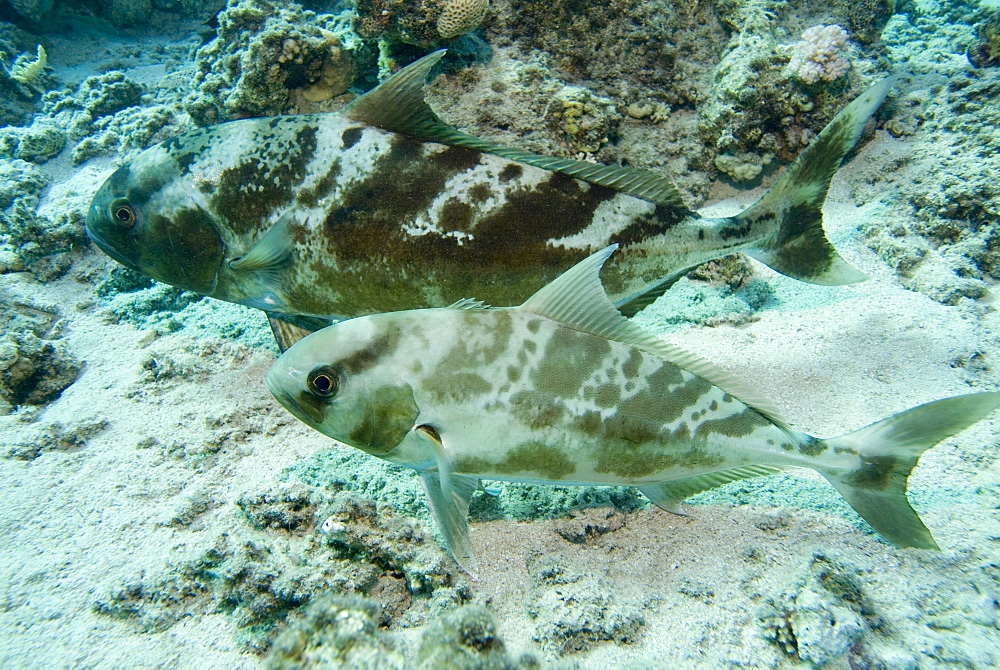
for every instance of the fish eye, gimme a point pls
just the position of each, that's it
(323, 382)
(123, 213)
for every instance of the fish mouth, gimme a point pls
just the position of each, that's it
(111, 251)
(93, 216)
(307, 414)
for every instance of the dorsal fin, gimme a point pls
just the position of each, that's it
(577, 299)
(398, 105)
(468, 303)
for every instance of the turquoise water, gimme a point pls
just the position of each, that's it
(162, 509)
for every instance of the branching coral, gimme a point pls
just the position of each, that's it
(26, 70)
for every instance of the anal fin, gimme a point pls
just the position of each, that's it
(640, 300)
(290, 328)
(668, 495)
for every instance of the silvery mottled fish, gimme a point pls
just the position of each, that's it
(564, 389)
(382, 206)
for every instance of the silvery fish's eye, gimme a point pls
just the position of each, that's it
(123, 213)
(323, 382)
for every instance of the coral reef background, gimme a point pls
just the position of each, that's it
(160, 507)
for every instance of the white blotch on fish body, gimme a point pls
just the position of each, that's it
(610, 217)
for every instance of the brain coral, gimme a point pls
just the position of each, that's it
(461, 16)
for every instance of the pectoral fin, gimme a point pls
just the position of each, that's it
(449, 503)
(448, 495)
(272, 252)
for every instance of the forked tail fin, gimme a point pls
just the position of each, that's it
(799, 247)
(889, 449)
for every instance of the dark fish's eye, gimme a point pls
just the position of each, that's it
(123, 213)
(323, 382)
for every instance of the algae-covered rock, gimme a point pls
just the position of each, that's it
(584, 120)
(824, 617)
(339, 631)
(271, 59)
(36, 365)
(37, 143)
(20, 180)
(32, 10)
(284, 509)
(423, 24)
(105, 114)
(27, 443)
(291, 545)
(336, 631)
(943, 236)
(755, 110)
(128, 14)
(105, 94)
(985, 52)
(573, 610)
(358, 528)
(510, 101)
(744, 167)
(864, 19)
(465, 639)
(626, 49)
(254, 582)
(526, 502)
(34, 371)
(35, 243)
(17, 99)
(823, 631)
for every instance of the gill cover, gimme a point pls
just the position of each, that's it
(183, 249)
(338, 381)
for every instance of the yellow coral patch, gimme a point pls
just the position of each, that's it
(461, 16)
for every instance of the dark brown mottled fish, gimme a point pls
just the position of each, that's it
(382, 206)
